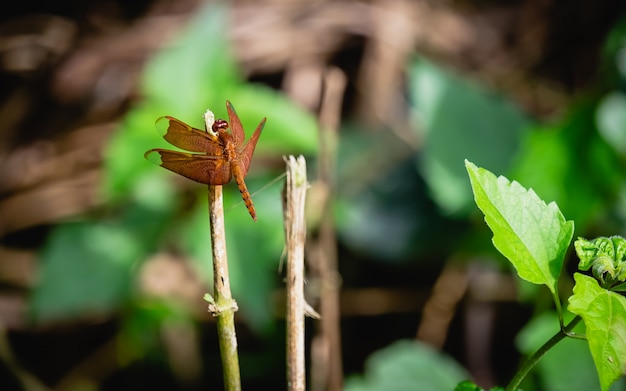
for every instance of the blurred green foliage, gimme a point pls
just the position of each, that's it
(89, 266)
(569, 353)
(576, 161)
(567, 366)
(143, 209)
(534, 237)
(461, 120)
(394, 203)
(570, 163)
(408, 365)
(196, 73)
(455, 119)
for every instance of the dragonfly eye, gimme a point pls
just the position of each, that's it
(219, 126)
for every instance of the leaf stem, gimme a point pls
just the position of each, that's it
(532, 360)
(224, 306)
(559, 309)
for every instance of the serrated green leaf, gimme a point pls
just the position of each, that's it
(533, 236)
(604, 314)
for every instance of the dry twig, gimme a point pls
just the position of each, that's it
(295, 236)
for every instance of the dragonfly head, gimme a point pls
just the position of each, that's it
(219, 126)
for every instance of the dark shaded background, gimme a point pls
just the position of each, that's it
(70, 72)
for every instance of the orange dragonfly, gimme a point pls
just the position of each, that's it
(218, 156)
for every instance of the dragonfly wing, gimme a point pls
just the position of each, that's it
(211, 170)
(236, 128)
(248, 149)
(186, 137)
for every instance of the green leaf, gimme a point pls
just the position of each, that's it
(533, 236)
(89, 266)
(467, 386)
(408, 365)
(81, 273)
(460, 119)
(604, 255)
(619, 288)
(604, 314)
(197, 70)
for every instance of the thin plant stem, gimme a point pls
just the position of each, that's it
(223, 306)
(326, 363)
(295, 236)
(532, 360)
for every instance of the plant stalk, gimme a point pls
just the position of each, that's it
(532, 360)
(326, 364)
(223, 307)
(294, 196)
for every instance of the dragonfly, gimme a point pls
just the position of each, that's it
(214, 157)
